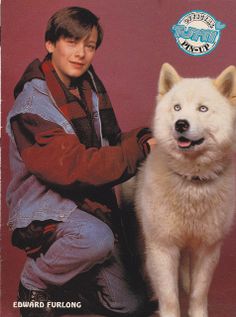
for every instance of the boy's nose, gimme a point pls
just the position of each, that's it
(80, 50)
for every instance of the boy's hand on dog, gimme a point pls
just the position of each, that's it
(152, 143)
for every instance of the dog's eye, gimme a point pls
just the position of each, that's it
(203, 108)
(177, 107)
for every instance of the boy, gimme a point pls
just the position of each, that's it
(67, 152)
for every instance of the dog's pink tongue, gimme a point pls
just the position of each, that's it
(183, 144)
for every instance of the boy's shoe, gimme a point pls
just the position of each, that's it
(36, 300)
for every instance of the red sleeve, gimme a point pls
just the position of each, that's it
(59, 158)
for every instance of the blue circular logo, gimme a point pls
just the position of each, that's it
(197, 32)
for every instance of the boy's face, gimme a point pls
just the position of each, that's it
(71, 58)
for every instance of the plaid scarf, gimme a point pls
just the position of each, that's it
(79, 111)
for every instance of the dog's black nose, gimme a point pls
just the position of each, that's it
(181, 126)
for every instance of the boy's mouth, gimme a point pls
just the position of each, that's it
(77, 64)
(184, 143)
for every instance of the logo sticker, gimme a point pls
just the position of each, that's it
(197, 32)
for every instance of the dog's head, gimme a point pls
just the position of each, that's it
(195, 115)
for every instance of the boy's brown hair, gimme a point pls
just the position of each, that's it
(72, 22)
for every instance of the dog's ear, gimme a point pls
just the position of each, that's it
(226, 83)
(168, 77)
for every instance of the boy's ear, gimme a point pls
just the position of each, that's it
(226, 83)
(49, 46)
(168, 78)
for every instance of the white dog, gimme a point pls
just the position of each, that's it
(185, 189)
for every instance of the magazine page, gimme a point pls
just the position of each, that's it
(118, 158)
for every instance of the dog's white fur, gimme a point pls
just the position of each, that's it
(185, 196)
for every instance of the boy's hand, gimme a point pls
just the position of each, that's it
(152, 143)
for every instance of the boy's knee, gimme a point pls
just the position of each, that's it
(131, 306)
(100, 240)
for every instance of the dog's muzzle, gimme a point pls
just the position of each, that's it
(181, 127)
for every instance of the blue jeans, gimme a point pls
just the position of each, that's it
(82, 242)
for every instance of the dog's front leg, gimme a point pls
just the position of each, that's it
(204, 261)
(162, 267)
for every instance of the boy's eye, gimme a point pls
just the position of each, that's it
(70, 41)
(91, 47)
